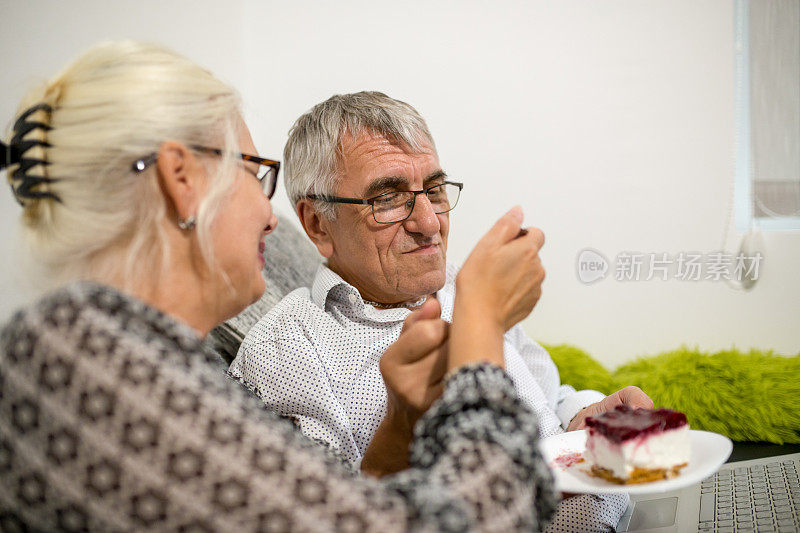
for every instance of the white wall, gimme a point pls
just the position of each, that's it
(610, 122)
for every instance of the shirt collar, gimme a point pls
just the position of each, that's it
(329, 287)
(324, 281)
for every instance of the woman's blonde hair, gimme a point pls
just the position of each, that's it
(115, 104)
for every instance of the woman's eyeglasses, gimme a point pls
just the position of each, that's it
(266, 173)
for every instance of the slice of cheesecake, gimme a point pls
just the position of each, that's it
(627, 445)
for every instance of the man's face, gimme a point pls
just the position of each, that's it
(388, 263)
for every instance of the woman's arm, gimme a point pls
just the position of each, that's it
(128, 440)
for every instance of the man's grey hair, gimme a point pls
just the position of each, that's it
(311, 156)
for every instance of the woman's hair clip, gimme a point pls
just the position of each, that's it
(24, 185)
(10, 156)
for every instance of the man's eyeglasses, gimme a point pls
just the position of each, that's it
(267, 172)
(396, 206)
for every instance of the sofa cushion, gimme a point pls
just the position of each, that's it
(748, 396)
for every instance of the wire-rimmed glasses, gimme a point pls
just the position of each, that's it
(396, 206)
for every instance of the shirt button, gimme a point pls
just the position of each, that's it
(353, 298)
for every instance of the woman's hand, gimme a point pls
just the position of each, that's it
(504, 273)
(413, 369)
(497, 287)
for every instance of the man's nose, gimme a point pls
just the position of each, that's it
(423, 218)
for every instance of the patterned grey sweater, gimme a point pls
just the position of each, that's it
(114, 416)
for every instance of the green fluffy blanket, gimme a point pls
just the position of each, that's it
(751, 396)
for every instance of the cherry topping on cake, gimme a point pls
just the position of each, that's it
(623, 423)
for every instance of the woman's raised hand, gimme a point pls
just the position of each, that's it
(498, 286)
(504, 273)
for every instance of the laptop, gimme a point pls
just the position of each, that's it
(757, 495)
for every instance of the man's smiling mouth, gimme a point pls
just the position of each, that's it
(424, 249)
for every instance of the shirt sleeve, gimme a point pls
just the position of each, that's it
(570, 402)
(125, 440)
(563, 399)
(589, 513)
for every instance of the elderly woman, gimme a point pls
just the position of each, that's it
(142, 199)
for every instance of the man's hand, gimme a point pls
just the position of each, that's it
(631, 396)
(413, 369)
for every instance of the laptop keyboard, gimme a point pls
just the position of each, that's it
(759, 498)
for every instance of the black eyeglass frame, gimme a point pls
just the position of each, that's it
(371, 201)
(140, 164)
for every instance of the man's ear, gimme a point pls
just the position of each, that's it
(179, 179)
(316, 225)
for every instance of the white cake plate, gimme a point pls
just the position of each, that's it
(708, 452)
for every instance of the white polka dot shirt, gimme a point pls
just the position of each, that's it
(314, 357)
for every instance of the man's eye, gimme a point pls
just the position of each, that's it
(389, 199)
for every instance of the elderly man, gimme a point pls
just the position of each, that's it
(364, 175)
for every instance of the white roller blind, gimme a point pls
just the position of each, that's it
(775, 107)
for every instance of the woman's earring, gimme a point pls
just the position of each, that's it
(187, 224)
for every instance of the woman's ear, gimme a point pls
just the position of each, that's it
(180, 177)
(316, 226)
